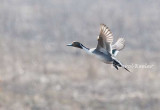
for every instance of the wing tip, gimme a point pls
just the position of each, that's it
(121, 39)
(104, 29)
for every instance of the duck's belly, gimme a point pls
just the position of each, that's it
(103, 57)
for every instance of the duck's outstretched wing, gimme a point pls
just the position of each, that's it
(105, 39)
(118, 46)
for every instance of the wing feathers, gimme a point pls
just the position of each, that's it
(106, 34)
(105, 38)
(119, 45)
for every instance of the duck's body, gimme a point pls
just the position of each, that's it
(104, 50)
(104, 57)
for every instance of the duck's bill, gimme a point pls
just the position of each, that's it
(69, 44)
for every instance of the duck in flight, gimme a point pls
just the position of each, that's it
(105, 51)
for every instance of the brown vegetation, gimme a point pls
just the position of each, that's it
(38, 71)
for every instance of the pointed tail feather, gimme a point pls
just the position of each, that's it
(126, 69)
(117, 64)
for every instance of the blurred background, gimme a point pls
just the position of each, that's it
(39, 72)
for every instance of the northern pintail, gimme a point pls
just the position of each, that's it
(105, 51)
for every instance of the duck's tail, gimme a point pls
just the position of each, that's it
(117, 64)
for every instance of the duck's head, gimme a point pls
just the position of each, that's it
(75, 44)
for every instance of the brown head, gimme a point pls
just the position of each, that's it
(75, 44)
